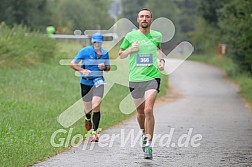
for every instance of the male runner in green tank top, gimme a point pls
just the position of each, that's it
(143, 47)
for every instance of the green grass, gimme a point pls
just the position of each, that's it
(20, 47)
(31, 99)
(30, 103)
(243, 79)
(245, 83)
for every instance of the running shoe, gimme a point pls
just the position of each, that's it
(94, 137)
(88, 124)
(148, 153)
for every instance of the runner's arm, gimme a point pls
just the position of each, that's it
(76, 67)
(161, 63)
(107, 68)
(124, 53)
(160, 56)
(107, 63)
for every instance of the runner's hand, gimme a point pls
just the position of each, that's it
(134, 47)
(161, 66)
(85, 72)
(101, 66)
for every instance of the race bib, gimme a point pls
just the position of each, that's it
(144, 60)
(98, 81)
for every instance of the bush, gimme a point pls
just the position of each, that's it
(19, 47)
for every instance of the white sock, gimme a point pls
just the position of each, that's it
(143, 133)
(148, 144)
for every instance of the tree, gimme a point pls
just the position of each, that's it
(209, 10)
(206, 35)
(26, 12)
(81, 14)
(170, 11)
(131, 8)
(187, 16)
(236, 26)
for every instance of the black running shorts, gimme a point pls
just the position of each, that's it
(88, 92)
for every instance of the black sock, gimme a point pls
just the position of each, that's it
(88, 116)
(96, 120)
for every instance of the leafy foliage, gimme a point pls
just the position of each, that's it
(205, 38)
(236, 26)
(131, 8)
(204, 23)
(230, 22)
(80, 14)
(209, 10)
(26, 12)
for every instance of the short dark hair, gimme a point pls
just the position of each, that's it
(147, 9)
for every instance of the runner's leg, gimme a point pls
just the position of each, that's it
(139, 103)
(96, 102)
(86, 93)
(150, 97)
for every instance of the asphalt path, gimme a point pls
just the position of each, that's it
(202, 121)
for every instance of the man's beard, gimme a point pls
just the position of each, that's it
(144, 25)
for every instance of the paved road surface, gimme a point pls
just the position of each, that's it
(208, 125)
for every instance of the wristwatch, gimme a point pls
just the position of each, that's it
(162, 60)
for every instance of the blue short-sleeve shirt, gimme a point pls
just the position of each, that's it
(90, 62)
